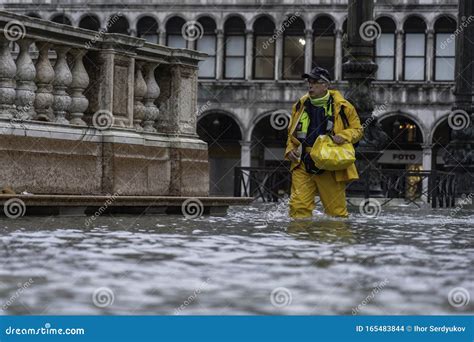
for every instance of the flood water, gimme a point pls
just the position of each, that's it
(252, 261)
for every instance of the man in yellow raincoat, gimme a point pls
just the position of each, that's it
(320, 111)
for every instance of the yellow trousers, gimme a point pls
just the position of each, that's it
(305, 186)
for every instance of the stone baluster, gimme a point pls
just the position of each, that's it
(25, 85)
(153, 91)
(140, 92)
(62, 80)
(80, 81)
(44, 79)
(7, 81)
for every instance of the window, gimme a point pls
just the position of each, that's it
(385, 50)
(147, 28)
(445, 49)
(415, 50)
(90, 22)
(207, 44)
(324, 44)
(118, 24)
(234, 65)
(264, 49)
(293, 48)
(174, 36)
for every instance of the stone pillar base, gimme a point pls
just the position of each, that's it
(55, 159)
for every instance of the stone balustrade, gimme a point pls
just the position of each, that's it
(84, 112)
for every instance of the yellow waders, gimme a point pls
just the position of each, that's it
(305, 186)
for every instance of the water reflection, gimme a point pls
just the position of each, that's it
(324, 230)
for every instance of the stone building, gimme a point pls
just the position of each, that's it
(257, 51)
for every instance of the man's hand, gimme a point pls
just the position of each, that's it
(338, 140)
(293, 155)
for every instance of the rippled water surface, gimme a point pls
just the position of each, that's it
(253, 261)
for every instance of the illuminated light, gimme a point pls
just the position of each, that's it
(302, 41)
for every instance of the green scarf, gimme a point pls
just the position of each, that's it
(322, 102)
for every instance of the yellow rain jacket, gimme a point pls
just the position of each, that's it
(352, 134)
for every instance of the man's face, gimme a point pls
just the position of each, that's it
(317, 88)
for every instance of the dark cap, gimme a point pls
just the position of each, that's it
(318, 73)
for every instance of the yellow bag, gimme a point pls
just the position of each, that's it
(327, 155)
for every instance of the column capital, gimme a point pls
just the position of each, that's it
(245, 143)
(429, 32)
(338, 33)
(308, 32)
(399, 32)
(427, 147)
(219, 32)
(249, 32)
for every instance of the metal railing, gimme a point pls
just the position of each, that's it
(435, 187)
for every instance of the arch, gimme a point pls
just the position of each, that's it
(61, 18)
(227, 113)
(118, 23)
(330, 22)
(90, 22)
(211, 16)
(390, 16)
(147, 27)
(410, 23)
(251, 23)
(445, 24)
(415, 119)
(439, 121)
(263, 115)
(172, 16)
(234, 14)
(387, 24)
(441, 16)
(327, 15)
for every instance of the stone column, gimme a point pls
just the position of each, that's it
(153, 91)
(162, 38)
(44, 79)
(245, 160)
(25, 85)
(459, 156)
(139, 93)
(248, 54)
(80, 81)
(429, 55)
(62, 80)
(360, 70)
(308, 50)
(278, 57)
(427, 166)
(7, 81)
(399, 55)
(220, 55)
(338, 55)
